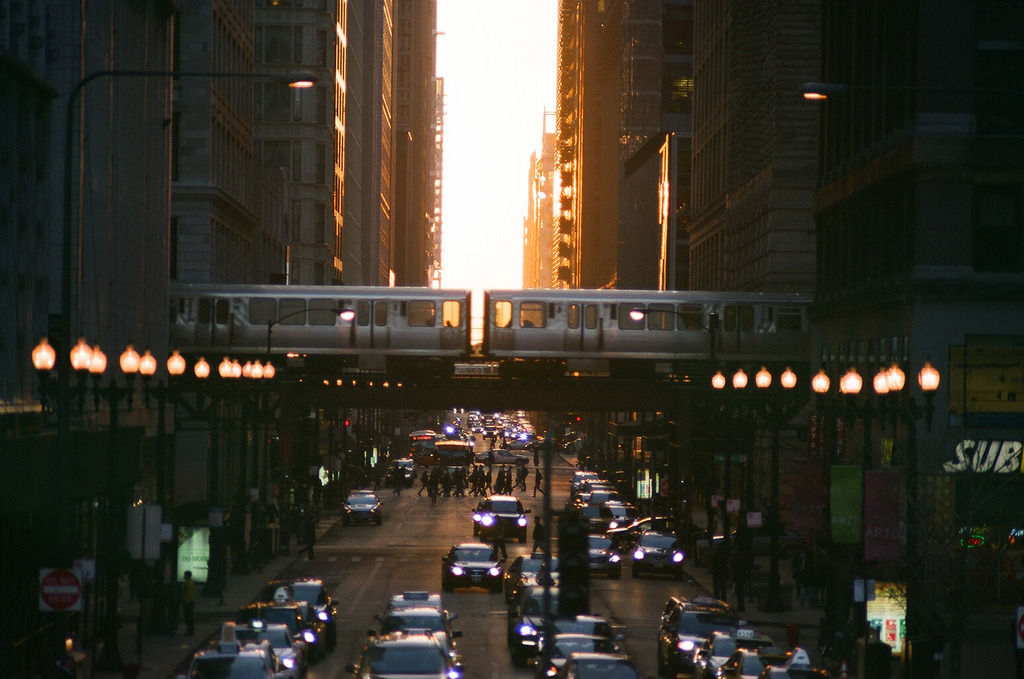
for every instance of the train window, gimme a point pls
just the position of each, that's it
(789, 319)
(323, 312)
(363, 314)
(205, 315)
(660, 317)
(625, 321)
(451, 313)
(262, 310)
(739, 318)
(502, 314)
(691, 316)
(532, 315)
(380, 314)
(590, 316)
(421, 313)
(573, 318)
(222, 311)
(292, 311)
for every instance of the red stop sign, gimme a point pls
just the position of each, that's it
(59, 590)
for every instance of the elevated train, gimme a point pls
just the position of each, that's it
(383, 329)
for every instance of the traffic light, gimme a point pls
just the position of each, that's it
(573, 566)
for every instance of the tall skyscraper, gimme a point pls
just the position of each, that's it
(302, 132)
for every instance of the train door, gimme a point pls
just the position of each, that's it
(583, 328)
(737, 328)
(371, 325)
(499, 334)
(453, 322)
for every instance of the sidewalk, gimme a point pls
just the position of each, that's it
(161, 654)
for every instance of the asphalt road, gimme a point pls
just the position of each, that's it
(364, 565)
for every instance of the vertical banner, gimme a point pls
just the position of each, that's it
(845, 503)
(882, 535)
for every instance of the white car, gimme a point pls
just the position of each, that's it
(290, 653)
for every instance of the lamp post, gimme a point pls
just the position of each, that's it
(888, 384)
(63, 320)
(687, 322)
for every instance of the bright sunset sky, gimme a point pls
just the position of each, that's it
(498, 61)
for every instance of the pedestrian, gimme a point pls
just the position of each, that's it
(425, 480)
(536, 455)
(538, 535)
(537, 478)
(498, 538)
(740, 575)
(799, 565)
(188, 603)
(310, 536)
(522, 472)
(720, 573)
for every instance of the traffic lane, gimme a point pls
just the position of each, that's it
(363, 565)
(635, 606)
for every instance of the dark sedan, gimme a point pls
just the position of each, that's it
(603, 557)
(658, 553)
(362, 508)
(471, 564)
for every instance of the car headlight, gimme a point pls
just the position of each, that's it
(551, 671)
(614, 558)
(477, 516)
(487, 520)
(323, 615)
(288, 662)
(638, 554)
(613, 524)
(494, 571)
(686, 645)
(677, 557)
(457, 570)
(526, 630)
(521, 521)
(309, 636)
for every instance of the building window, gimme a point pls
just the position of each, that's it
(997, 240)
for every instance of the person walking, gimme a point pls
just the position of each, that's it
(499, 540)
(425, 481)
(720, 573)
(310, 536)
(538, 535)
(537, 478)
(188, 603)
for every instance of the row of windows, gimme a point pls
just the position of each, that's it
(323, 312)
(736, 317)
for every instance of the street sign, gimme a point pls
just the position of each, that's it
(60, 589)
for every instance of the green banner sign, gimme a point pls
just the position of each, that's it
(845, 503)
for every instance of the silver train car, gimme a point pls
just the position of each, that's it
(595, 330)
(375, 325)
